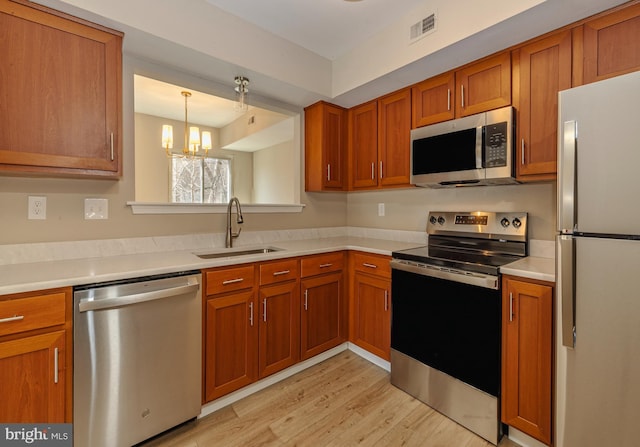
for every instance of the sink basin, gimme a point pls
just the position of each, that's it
(232, 253)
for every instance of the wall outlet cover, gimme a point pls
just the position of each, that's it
(37, 208)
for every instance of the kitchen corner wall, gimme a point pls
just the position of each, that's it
(407, 209)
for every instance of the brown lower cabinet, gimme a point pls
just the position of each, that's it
(527, 354)
(370, 303)
(36, 357)
(252, 324)
(323, 310)
(262, 318)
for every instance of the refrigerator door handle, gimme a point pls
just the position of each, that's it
(568, 178)
(567, 269)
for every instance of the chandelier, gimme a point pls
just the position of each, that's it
(241, 93)
(193, 140)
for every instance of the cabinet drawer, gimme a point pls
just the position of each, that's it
(372, 264)
(25, 314)
(228, 280)
(278, 271)
(317, 265)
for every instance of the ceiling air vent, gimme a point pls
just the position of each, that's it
(423, 27)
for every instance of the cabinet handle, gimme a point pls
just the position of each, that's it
(371, 266)
(462, 95)
(282, 272)
(232, 281)
(522, 151)
(55, 365)
(510, 306)
(386, 300)
(448, 99)
(264, 307)
(380, 176)
(306, 298)
(251, 313)
(324, 266)
(112, 157)
(373, 171)
(14, 318)
(328, 172)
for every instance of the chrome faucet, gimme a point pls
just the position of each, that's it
(230, 234)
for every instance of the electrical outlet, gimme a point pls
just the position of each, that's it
(37, 207)
(380, 209)
(96, 209)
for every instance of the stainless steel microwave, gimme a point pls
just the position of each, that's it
(474, 150)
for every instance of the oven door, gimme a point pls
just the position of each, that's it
(451, 326)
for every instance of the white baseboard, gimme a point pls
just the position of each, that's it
(523, 439)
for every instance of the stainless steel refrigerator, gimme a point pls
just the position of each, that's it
(598, 265)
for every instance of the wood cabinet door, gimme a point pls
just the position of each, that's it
(544, 68)
(321, 314)
(231, 343)
(279, 340)
(483, 86)
(371, 319)
(527, 314)
(61, 95)
(33, 389)
(432, 100)
(610, 45)
(363, 146)
(394, 138)
(325, 147)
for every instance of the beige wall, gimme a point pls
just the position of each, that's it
(407, 209)
(269, 188)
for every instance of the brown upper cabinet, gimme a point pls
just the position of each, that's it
(540, 70)
(379, 139)
(61, 89)
(607, 46)
(475, 88)
(325, 145)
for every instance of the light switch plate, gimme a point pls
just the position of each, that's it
(96, 209)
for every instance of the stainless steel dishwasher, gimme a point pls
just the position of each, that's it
(137, 358)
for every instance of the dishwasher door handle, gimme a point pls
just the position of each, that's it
(87, 305)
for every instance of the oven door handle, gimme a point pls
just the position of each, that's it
(471, 278)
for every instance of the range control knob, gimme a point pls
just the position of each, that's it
(433, 220)
(504, 222)
(441, 220)
(516, 222)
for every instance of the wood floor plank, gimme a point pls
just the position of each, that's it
(341, 402)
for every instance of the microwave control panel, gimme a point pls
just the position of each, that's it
(495, 145)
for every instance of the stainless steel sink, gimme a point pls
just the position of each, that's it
(233, 253)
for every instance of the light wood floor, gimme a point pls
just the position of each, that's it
(343, 401)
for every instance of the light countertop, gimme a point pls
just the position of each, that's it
(44, 266)
(34, 276)
(533, 268)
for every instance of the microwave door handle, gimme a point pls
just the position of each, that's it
(479, 147)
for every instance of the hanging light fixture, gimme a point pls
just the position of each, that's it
(192, 138)
(241, 93)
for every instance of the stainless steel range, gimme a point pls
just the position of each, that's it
(446, 319)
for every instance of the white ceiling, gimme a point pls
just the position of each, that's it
(329, 28)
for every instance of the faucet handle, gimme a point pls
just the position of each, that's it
(236, 234)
